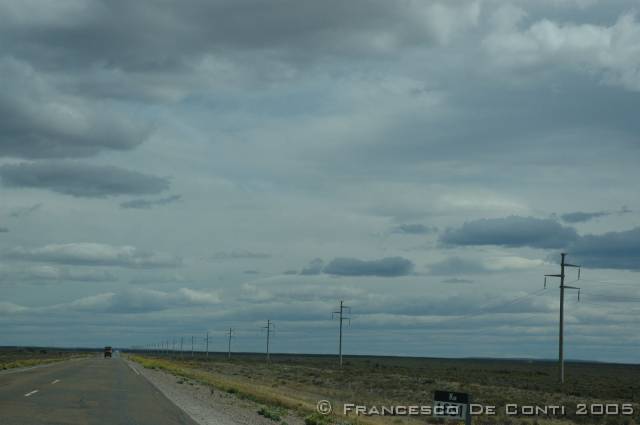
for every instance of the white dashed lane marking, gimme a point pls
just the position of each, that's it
(55, 382)
(31, 393)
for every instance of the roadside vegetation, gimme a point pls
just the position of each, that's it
(299, 382)
(11, 358)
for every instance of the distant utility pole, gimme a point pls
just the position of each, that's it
(341, 317)
(192, 346)
(563, 264)
(207, 352)
(230, 334)
(269, 326)
(181, 345)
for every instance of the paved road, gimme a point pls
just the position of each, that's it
(92, 391)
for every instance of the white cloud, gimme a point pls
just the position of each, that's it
(512, 263)
(10, 308)
(141, 301)
(95, 254)
(612, 52)
(446, 21)
(43, 273)
(465, 266)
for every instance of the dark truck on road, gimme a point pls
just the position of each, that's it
(107, 352)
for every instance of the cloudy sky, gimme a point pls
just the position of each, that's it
(171, 168)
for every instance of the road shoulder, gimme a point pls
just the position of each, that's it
(206, 405)
(40, 366)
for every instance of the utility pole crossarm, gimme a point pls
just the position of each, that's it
(269, 328)
(573, 287)
(574, 266)
(550, 275)
(561, 275)
(342, 318)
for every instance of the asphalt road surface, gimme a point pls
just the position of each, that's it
(84, 392)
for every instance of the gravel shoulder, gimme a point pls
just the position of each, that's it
(209, 406)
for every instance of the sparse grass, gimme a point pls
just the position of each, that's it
(28, 357)
(298, 382)
(259, 393)
(317, 419)
(273, 413)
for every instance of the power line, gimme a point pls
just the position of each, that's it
(488, 308)
(620, 299)
(637, 285)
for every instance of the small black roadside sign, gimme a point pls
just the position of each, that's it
(452, 405)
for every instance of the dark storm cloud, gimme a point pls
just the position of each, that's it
(81, 180)
(95, 254)
(414, 229)
(37, 121)
(580, 217)
(116, 32)
(513, 231)
(613, 250)
(25, 211)
(149, 203)
(385, 267)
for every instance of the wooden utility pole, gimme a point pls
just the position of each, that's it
(563, 264)
(207, 349)
(269, 326)
(341, 318)
(230, 334)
